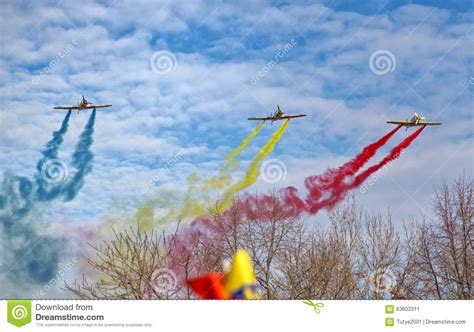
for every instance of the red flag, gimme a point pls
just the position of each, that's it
(209, 286)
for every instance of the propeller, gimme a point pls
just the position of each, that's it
(420, 117)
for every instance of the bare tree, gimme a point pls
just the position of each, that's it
(318, 261)
(126, 268)
(355, 256)
(266, 228)
(379, 256)
(441, 250)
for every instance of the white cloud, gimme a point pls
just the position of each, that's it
(200, 108)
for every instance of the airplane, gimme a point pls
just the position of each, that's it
(278, 115)
(414, 121)
(82, 105)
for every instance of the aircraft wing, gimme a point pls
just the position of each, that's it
(261, 118)
(66, 107)
(423, 123)
(98, 106)
(289, 116)
(403, 123)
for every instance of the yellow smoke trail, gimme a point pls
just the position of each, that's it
(192, 206)
(244, 143)
(225, 173)
(254, 169)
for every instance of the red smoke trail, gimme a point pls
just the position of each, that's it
(292, 199)
(340, 191)
(394, 154)
(320, 185)
(260, 208)
(184, 259)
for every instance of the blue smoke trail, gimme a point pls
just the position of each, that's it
(81, 160)
(30, 257)
(28, 254)
(46, 190)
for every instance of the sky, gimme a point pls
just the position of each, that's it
(184, 76)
